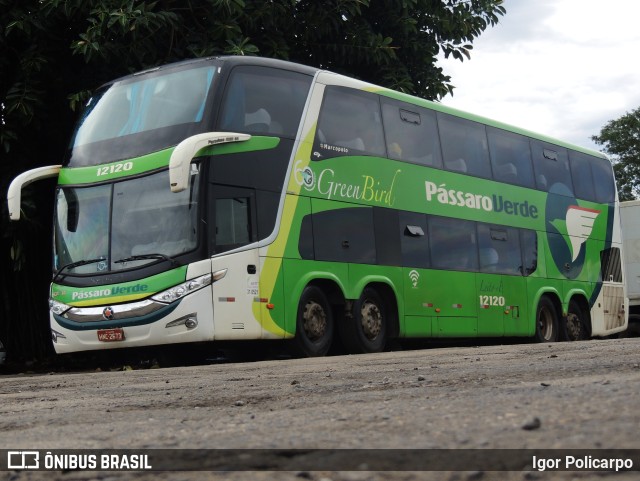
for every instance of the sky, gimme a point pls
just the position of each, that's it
(562, 68)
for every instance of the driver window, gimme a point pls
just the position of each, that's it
(234, 218)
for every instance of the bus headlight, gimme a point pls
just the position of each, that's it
(181, 290)
(58, 307)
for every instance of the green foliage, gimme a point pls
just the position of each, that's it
(620, 139)
(71, 46)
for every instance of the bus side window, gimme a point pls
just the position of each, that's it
(551, 167)
(610, 265)
(411, 133)
(592, 177)
(344, 235)
(499, 248)
(349, 124)
(234, 218)
(582, 175)
(529, 243)
(464, 146)
(264, 101)
(414, 243)
(604, 181)
(510, 157)
(453, 244)
(232, 222)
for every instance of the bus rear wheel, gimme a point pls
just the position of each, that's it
(546, 321)
(365, 330)
(574, 327)
(314, 324)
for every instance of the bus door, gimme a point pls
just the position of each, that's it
(502, 303)
(500, 284)
(454, 253)
(418, 309)
(414, 248)
(232, 220)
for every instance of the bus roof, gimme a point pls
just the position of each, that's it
(230, 61)
(332, 78)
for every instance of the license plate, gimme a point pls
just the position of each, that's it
(111, 335)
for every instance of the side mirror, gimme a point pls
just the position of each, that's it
(186, 150)
(14, 194)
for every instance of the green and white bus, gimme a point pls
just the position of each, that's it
(240, 198)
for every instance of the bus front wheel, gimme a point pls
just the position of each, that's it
(365, 330)
(546, 321)
(314, 323)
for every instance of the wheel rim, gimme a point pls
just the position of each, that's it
(545, 324)
(314, 320)
(371, 319)
(574, 328)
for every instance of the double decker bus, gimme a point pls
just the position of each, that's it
(240, 198)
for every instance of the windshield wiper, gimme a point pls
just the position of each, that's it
(71, 265)
(142, 257)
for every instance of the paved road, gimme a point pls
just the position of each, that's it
(526, 396)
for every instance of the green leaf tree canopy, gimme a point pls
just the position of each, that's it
(54, 49)
(620, 139)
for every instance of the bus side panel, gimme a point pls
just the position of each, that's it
(608, 314)
(418, 315)
(454, 303)
(515, 318)
(234, 296)
(492, 303)
(270, 305)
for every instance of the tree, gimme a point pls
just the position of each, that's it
(53, 52)
(620, 139)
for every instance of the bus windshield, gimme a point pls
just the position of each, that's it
(125, 224)
(141, 115)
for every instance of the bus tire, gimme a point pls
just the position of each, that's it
(546, 321)
(314, 324)
(365, 330)
(573, 326)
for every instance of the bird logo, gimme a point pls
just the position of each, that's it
(580, 222)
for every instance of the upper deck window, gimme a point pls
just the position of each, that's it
(464, 146)
(349, 124)
(142, 114)
(264, 101)
(411, 133)
(592, 178)
(604, 180)
(551, 165)
(510, 157)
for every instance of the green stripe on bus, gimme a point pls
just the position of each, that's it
(155, 161)
(116, 293)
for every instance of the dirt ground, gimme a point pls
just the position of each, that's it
(527, 397)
